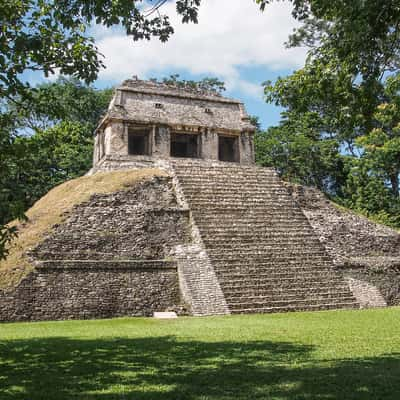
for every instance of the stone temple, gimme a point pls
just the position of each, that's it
(148, 121)
(176, 216)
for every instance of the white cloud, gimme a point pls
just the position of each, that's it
(230, 34)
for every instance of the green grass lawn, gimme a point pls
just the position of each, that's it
(323, 355)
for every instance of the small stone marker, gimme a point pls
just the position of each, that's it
(165, 315)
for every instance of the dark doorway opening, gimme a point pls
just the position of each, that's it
(138, 143)
(184, 145)
(228, 149)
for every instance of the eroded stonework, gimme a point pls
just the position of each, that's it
(366, 254)
(215, 235)
(111, 257)
(162, 121)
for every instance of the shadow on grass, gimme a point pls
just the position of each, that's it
(168, 369)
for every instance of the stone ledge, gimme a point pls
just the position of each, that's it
(97, 265)
(375, 263)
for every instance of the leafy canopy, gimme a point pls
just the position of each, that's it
(51, 35)
(339, 130)
(206, 84)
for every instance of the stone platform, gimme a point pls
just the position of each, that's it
(210, 238)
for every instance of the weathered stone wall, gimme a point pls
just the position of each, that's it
(367, 294)
(182, 110)
(198, 282)
(363, 251)
(344, 233)
(161, 142)
(210, 145)
(80, 290)
(246, 148)
(111, 257)
(116, 144)
(386, 280)
(144, 222)
(117, 162)
(164, 109)
(116, 139)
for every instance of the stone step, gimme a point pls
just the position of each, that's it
(287, 285)
(289, 308)
(257, 215)
(273, 264)
(247, 290)
(255, 222)
(270, 258)
(196, 165)
(232, 173)
(239, 192)
(276, 289)
(261, 227)
(256, 234)
(224, 183)
(215, 174)
(241, 203)
(233, 241)
(234, 180)
(228, 177)
(300, 266)
(191, 169)
(238, 202)
(257, 304)
(244, 207)
(265, 251)
(246, 235)
(302, 273)
(249, 268)
(263, 278)
(269, 296)
(242, 189)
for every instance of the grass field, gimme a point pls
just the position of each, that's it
(324, 355)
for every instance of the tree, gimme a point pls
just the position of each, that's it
(10, 203)
(58, 123)
(381, 145)
(300, 155)
(67, 99)
(206, 84)
(346, 93)
(361, 33)
(50, 35)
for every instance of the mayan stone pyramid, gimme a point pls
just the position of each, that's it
(176, 216)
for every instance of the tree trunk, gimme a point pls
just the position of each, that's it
(394, 181)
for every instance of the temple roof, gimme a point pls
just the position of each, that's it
(159, 103)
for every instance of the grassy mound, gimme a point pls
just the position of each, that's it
(53, 208)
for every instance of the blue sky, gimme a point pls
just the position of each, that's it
(233, 41)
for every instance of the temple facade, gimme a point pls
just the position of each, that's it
(151, 120)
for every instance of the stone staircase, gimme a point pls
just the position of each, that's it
(265, 254)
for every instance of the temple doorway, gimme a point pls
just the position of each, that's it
(184, 145)
(228, 149)
(138, 143)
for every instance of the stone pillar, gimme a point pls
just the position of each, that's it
(116, 139)
(246, 148)
(161, 141)
(209, 143)
(96, 149)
